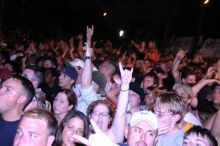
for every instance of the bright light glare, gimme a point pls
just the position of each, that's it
(206, 2)
(104, 14)
(121, 33)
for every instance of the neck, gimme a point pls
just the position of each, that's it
(173, 129)
(51, 84)
(12, 115)
(60, 117)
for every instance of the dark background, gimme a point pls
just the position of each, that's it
(141, 19)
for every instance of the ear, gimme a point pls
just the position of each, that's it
(126, 131)
(50, 140)
(70, 107)
(22, 99)
(72, 81)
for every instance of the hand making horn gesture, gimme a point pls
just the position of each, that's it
(97, 139)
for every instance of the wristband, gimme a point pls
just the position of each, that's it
(87, 57)
(124, 90)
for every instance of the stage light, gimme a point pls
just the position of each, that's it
(206, 2)
(104, 14)
(121, 33)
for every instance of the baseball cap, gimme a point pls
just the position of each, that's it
(137, 89)
(70, 72)
(99, 78)
(77, 62)
(145, 115)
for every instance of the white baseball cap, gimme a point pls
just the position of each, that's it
(147, 116)
(77, 62)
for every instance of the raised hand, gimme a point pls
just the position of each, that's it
(97, 139)
(181, 54)
(126, 75)
(89, 32)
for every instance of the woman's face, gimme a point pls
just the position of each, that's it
(101, 116)
(75, 126)
(61, 104)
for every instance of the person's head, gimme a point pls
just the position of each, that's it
(76, 123)
(199, 136)
(136, 95)
(50, 62)
(169, 109)
(216, 95)
(188, 77)
(36, 128)
(102, 113)
(150, 81)
(67, 77)
(184, 91)
(15, 92)
(99, 82)
(107, 68)
(64, 102)
(34, 74)
(50, 75)
(142, 129)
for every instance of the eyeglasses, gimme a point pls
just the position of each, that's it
(162, 114)
(104, 114)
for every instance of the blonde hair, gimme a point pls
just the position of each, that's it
(171, 102)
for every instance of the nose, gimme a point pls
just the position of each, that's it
(20, 140)
(143, 136)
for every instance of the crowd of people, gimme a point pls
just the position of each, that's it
(85, 92)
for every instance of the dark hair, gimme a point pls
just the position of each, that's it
(43, 115)
(51, 59)
(68, 117)
(38, 74)
(71, 97)
(186, 72)
(97, 102)
(27, 86)
(198, 130)
(152, 75)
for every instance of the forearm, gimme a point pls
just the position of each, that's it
(86, 79)
(196, 88)
(119, 122)
(175, 66)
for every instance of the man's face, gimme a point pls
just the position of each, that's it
(133, 99)
(10, 91)
(148, 82)
(191, 80)
(32, 132)
(65, 81)
(196, 140)
(141, 134)
(48, 64)
(29, 74)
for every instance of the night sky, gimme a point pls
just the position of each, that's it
(139, 18)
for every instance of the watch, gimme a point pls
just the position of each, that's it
(87, 57)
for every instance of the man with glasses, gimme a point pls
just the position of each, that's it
(169, 109)
(15, 93)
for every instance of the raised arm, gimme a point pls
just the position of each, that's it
(86, 79)
(119, 121)
(179, 56)
(71, 50)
